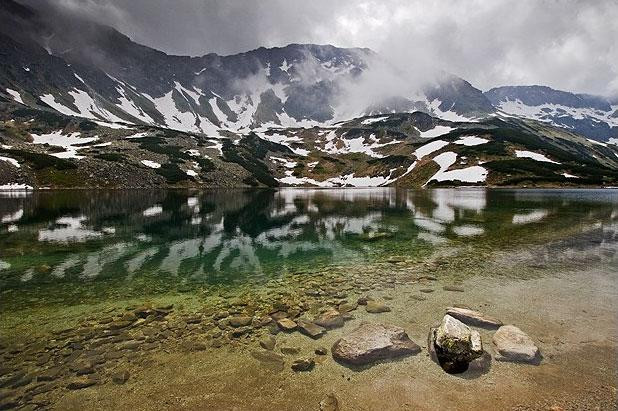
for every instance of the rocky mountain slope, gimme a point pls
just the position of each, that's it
(42, 149)
(78, 67)
(592, 116)
(81, 105)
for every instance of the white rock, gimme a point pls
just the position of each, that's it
(512, 344)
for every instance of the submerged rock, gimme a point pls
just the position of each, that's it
(471, 317)
(286, 324)
(329, 403)
(512, 344)
(454, 345)
(331, 318)
(121, 377)
(240, 321)
(376, 307)
(81, 382)
(303, 364)
(312, 330)
(373, 342)
(268, 343)
(269, 359)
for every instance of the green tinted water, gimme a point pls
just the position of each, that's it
(74, 246)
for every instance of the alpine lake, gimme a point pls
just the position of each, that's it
(217, 299)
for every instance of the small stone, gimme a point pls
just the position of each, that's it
(286, 324)
(268, 343)
(376, 307)
(418, 298)
(221, 315)
(81, 382)
(121, 377)
(321, 351)
(269, 359)
(347, 307)
(329, 403)
(453, 288)
(331, 318)
(303, 364)
(512, 344)
(312, 330)
(426, 290)
(363, 300)
(472, 317)
(240, 321)
(290, 350)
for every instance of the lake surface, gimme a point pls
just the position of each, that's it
(70, 260)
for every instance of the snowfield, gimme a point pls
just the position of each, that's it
(67, 141)
(534, 156)
(151, 164)
(471, 141)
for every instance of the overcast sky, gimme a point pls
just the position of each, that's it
(571, 45)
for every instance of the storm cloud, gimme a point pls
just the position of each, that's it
(570, 45)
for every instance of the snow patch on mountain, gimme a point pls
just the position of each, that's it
(16, 96)
(11, 161)
(474, 174)
(534, 156)
(436, 131)
(549, 113)
(430, 148)
(68, 142)
(471, 141)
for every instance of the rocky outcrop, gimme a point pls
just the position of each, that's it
(512, 344)
(373, 342)
(454, 345)
(471, 317)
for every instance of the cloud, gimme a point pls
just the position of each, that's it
(567, 44)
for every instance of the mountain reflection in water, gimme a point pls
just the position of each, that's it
(215, 235)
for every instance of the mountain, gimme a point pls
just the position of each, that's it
(592, 116)
(77, 67)
(42, 149)
(82, 105)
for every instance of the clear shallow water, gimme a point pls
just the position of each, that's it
(97, 283)
(64, 246)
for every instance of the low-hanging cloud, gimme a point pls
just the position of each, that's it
(567, 44)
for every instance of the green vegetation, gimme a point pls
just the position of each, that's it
(110, 157)
(172, 173)
(39, 161)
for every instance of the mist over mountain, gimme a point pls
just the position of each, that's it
(59, 59)
(83, 99)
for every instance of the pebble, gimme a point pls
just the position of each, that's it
(286, 324)
(81, 382)
(268, 343)
(240, 321)
(303, 364)
(376, 307)
(329, 403)
(121, 377)
(312, 330)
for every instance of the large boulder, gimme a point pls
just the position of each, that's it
(454, 345)
(512, 344)
(471, 317)
(373, 342)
